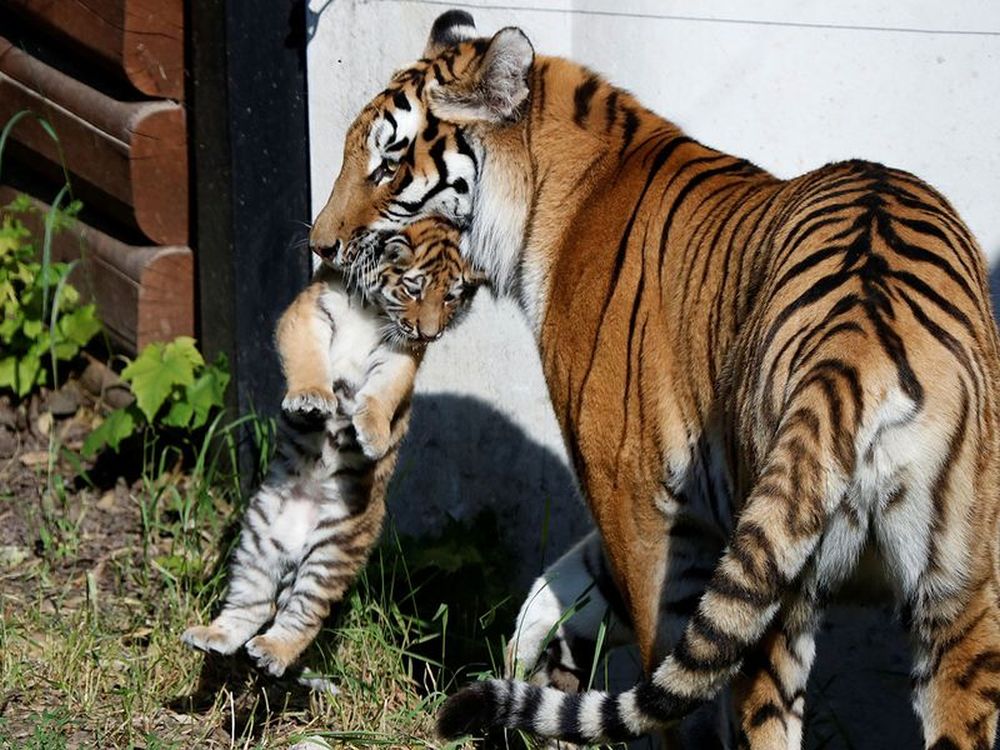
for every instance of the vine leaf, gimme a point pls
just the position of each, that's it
(159, 368)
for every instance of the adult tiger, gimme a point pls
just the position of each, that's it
(777, 370)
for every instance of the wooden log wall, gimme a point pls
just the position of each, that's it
(108, 76)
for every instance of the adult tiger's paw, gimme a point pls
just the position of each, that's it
(470, 711)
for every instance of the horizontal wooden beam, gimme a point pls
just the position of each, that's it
(133, 152)
(143, 40)
(143, 294)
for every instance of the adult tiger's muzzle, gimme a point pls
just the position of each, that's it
(327, 253)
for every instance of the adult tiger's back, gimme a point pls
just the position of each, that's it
(754, 377)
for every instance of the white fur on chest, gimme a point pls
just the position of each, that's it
(356, 333)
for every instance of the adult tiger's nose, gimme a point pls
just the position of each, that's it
(328, 253)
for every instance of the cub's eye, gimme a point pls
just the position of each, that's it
(383, 171)
(454, 295)
(413, 287)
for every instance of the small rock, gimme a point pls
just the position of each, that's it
(74, 430)
(311, 743)
(8, 443)
(43, 424)
(11, 557)
(107, 501)
(65, 401)
(34, 458)
(8, 417)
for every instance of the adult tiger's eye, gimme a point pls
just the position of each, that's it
(383, 171)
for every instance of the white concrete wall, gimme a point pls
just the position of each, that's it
(790, 85)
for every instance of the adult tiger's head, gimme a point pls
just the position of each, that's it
(419, 277)
(416, 150)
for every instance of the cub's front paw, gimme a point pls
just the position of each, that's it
(310, 403)
(374, 430)
(212, 638)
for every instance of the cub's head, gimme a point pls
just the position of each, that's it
(415, 150)
(419, 277)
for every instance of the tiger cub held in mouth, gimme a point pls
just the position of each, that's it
(350, 348)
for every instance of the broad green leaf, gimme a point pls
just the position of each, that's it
(118, 425)
(184, 347)
(180, 412)
(154, 374)
(10, 326)
(64, 350)
(8, 369)
(206, 393)
(28, 371)
(81, 325)
(32, 328)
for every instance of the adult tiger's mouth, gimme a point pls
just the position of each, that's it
(364, 243)
(361, 258)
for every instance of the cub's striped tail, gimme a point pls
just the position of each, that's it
(588, 718)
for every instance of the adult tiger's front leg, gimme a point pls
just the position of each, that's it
(561, 619)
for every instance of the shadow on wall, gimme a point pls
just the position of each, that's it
(461, 457)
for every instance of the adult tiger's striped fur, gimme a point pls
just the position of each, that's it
(754, 377)
(350, 351)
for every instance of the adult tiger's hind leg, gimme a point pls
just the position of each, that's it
(770, 689)
(957, 676)
(938, 534)
(957, 650)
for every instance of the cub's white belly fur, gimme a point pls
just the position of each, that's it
(294, 523)
(357, 333)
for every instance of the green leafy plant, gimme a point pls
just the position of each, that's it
(43, 319)
(174, 388)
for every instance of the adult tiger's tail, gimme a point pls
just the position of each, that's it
(779, 528)
(582, 718)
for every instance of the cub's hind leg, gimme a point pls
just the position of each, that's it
(335, 555)
(255, 574)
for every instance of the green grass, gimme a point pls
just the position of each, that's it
(92, 611)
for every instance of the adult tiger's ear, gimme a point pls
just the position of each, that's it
(450, 28)
(495, 90)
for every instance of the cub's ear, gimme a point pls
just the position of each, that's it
(495, 90)
(450, 28)
(475, 278)
(397, 251)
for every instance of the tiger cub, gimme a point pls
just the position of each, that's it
(350, 348)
